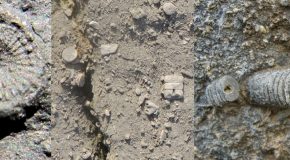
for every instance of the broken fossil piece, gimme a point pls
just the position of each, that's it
(150, 108)
(22, 63)
(173, 87)
(68, 7)
(220, 92)
(79, 80)
(70, 54)
(270, 88)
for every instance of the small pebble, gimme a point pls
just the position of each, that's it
(169, 8)
(167, 125)
(86, 154)
(285, 3)
(187, 74)
(107, 49)
(127, 137)
(88, 103)
(156, 1)
(107, 113)
(150, 108)
(137, 13)
(162, 136)
(138, 91)
(144, 144)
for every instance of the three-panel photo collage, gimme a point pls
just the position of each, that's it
(144, 79)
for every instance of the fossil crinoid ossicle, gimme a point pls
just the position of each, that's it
(270, 88)
(21, 63)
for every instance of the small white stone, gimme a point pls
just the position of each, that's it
(127, 136)
(144, 144)
(156, 1)
(94, 25)
(88, 103)
(107, 49)
(167, 125)
(138, 91)
(107, 113)
(162, 136)
(70, 54)
(137, 13)
(80, 79)
(169, 8)
(285, 3)
(150, 108)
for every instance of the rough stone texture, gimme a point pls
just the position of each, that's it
(24, 75)
(21, 62)
(240, 38)
(270, 88)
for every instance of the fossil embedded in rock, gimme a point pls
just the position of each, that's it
(270, 88)
(222, 91)
(21, 64)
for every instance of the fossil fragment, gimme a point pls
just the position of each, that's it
(21, 65)
(270, 88)
(68, 7)
(222, 91)
(70, 54)
(173, 87)
(150, 108)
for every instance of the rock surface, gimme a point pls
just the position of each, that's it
(241, 39)
(25, 45)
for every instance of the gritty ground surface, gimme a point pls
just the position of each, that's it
(108, 118)
(240, 38)
(31, 139)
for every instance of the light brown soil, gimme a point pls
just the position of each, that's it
(105, 118)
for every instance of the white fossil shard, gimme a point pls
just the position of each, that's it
(173, 87)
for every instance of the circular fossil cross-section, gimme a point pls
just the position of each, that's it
(21, 65)
(222, 91)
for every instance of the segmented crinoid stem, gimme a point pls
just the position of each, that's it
(222, 91)
(270, 88)
(21, 66)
